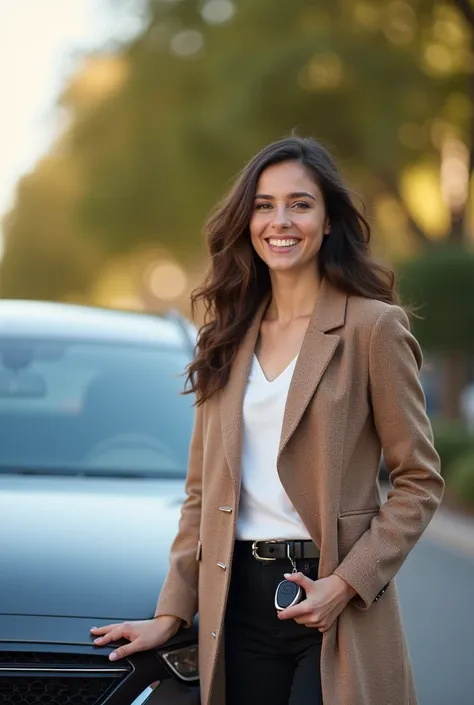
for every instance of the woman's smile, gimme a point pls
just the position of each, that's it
(282, 245)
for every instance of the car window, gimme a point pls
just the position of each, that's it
(91, 407)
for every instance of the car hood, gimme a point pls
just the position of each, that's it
(85, 547)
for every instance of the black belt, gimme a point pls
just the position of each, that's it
(273, 550)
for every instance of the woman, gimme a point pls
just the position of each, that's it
(304, 371)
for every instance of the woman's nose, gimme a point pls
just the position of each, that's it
(281, 219)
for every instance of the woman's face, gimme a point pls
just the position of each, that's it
(288, 220)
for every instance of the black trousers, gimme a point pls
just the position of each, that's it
(268, 661)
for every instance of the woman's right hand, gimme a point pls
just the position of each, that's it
(143, 635)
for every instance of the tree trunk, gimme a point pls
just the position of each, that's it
(456, 234)
(455, 378)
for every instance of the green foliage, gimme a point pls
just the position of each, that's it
(155, 153)
(44, 256)
(461, 477)
(451, 441)
(440, 285)
(188, 123)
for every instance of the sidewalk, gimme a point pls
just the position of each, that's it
(450, 529)
(453, 530)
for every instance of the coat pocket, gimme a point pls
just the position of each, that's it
(355, 512)
(199, 550)
(350, 527)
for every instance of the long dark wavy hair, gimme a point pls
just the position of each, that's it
(238, 279)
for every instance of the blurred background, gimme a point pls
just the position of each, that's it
(123, 121)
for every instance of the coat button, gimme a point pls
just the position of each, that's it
(214, 635)
(222, 565)
(227, 510)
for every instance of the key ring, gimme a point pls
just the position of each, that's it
(292, 560)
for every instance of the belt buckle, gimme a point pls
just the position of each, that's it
(255, 551)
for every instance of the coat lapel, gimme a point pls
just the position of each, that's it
(316, 352)
(232, 396)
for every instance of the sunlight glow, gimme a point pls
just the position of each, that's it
(455, 174)
(421, 191)
(41, 46)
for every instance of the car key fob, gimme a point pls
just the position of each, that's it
(287, 594)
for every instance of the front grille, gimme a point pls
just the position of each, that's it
(57, 679)
(54, 691)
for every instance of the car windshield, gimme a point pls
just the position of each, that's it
(93, 408)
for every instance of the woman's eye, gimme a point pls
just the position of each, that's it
(268, 206)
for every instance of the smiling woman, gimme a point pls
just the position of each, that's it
(304, 371)
(288, 211)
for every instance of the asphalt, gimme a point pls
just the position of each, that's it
(436, 588)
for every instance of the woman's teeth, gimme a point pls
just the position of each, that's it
(282, 243)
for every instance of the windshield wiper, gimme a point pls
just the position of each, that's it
(114, 474)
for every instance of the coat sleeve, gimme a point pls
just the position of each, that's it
(179, 594)
(401, 422)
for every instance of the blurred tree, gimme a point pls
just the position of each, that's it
(44, 258)
(210, 82)
(443, 280)
(160, 125)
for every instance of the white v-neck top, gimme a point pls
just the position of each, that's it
(265, 510)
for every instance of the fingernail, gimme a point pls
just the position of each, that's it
(287, 575)
(93, 629)
(113, 656)
(99, 638)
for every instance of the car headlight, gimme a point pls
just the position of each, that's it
(183, 662)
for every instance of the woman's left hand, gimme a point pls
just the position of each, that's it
(325, 600)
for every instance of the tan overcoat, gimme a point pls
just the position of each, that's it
(355, 390)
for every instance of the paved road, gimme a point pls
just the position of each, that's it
(436, 587)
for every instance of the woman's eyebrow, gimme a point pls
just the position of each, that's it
(295, 194)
